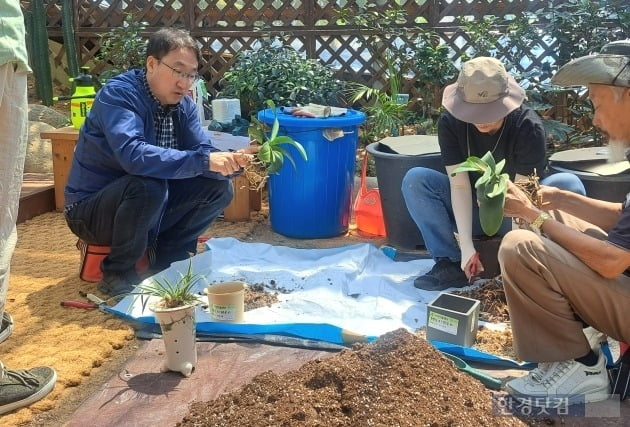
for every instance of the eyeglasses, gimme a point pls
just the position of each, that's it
(180, 75)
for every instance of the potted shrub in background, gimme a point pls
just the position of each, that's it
(174, 310)
(122, 48)
(278, 72)
(388, 113)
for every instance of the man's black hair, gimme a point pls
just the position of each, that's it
(167, 39)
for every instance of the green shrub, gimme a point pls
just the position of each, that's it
(279, 73)
(123, 48)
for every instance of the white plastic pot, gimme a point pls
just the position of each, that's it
(178, 330)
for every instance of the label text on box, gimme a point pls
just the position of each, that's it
(443, 323)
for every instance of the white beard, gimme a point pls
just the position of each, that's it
(617, 150)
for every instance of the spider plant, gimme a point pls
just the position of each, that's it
(491, 189)
(171, 294)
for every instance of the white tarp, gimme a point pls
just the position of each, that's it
(356, 288)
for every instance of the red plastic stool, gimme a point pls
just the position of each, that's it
(93, 255)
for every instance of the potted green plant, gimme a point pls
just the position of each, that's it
(491, 189)
(122, 48)
(174, 310)
(388, 112)
(278, 72)
(272, 153)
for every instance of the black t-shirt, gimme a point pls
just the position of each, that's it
(523, 142)
(620, 234)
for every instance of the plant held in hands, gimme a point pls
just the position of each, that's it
(491, 189)
(272, 153)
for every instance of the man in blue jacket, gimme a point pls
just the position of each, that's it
(144, 173)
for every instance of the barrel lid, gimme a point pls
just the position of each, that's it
(352, 117)
(407, 145)
(589, 159)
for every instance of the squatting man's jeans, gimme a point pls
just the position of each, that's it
(135, 212)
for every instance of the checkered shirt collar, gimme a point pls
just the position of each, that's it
(162, 120)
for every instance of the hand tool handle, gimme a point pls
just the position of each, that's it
(77, 304)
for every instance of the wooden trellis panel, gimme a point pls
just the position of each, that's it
(225, 27)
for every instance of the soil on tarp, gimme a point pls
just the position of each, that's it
(397, 380)
(256, 297)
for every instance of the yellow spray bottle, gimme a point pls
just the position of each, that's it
(82, 97)
(81, 100)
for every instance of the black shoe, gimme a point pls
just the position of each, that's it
(444, 274)
(115, 283)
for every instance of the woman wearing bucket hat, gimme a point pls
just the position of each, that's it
(577, 271)
(484, 112)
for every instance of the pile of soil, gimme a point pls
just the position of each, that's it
(397, 380)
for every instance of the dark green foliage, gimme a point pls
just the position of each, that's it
(123, 48)
(423, 59)
(278, 72)
(387, 113)
(579, 27)
(583, 26)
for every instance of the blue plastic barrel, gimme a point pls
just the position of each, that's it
(313, 200)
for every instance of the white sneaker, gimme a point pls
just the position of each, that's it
(595, 338)
(568, 381)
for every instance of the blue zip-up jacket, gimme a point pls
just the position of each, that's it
(118, 138)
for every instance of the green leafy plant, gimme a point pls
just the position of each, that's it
(272, 153)
(278, 72)
(177, 294)
(432, 68)
(491, 189)
(123, 48)
(421, 61)
(388, 111)
(572, 28)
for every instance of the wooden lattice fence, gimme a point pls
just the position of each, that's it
(225, 27)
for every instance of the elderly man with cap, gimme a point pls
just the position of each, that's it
(575, 271)
(484, 112)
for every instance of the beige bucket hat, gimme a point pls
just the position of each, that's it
(611, 66)
(484, 92)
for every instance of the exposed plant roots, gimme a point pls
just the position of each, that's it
(530, 187)
(256, 175)
(493, 306)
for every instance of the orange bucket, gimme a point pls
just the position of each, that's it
(368, 212)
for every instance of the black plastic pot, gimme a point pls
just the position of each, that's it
(488, 248)
(394, 156)
(611, 188)
(602, 180)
